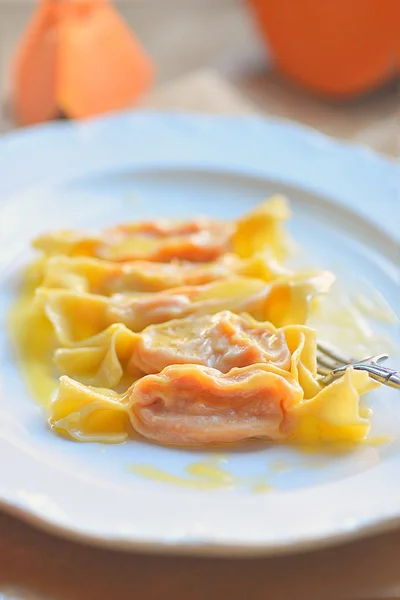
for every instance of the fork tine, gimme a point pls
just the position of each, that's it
(325, 361)
(330, 352)
(331, 365)
(380, 358)
(323, 371)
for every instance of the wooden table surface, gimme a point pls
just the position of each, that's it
(182, 38)
(32, 562)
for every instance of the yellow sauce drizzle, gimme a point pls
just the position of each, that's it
(279, 466)
(206, 476)
(32, 335)
(210, 473)
(351, 322)
(262, 488)
(365, 412)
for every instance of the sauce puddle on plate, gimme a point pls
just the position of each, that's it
(204, 475)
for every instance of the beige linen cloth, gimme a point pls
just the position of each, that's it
(36, 565)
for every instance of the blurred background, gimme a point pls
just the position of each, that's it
(214, 56)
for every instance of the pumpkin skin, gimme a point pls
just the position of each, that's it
(77, 58)
(338, 48)
(35, 70)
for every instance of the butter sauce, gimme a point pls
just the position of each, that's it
(207, 474)
(199, 475)
(33, 339)
(354, 321)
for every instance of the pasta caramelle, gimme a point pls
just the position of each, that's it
(201, 240)
(193, 405)
(76, 315)
(221, 341)
(202, 327)
(95, 276)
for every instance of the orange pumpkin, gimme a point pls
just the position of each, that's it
(340, 48)
(77, 57)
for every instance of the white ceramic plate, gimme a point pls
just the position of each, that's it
(346, 214)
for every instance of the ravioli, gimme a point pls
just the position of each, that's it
(201, 240)
(222, 341)
(192, 405)
(185, 332)
(76, 316)
(85, 274)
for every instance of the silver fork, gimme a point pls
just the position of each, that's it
(332, 365)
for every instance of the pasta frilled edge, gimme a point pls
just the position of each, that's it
(85, 413)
